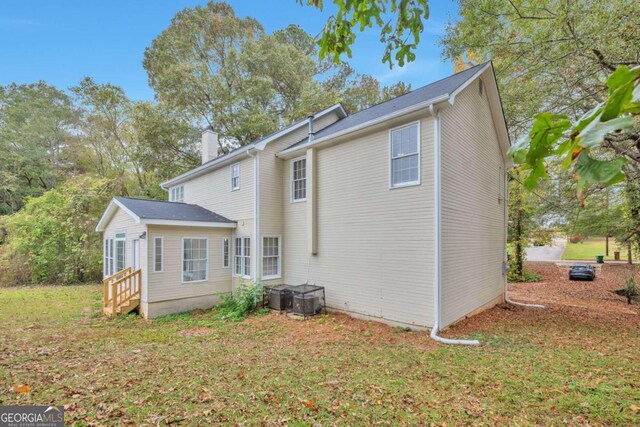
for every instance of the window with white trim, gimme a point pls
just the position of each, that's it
(270, 257)
(108, 258)
(194, 259)
(242, 257)
(235, 176)
(405, 156)
(225, 252)
(158, 254)
(299, 180)
(120, 259)
(176, 194)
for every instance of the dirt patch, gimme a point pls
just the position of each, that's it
(335, 328)
(199, 331)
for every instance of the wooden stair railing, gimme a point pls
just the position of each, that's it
(122, 291)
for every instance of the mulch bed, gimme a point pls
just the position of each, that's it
(564, 300)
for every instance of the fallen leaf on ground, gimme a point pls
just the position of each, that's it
(309, 404)
(21, 388)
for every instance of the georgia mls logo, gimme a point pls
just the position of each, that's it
(31, 416)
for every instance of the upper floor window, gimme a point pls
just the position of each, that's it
(176, 194)
(299, 180)
(235, 176)
(405, 156)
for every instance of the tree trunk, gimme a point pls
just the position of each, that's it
(629, 259)
(519, 253)
(607, 245)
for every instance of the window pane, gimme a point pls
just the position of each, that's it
(158, 257)
(405, 169)
(194, 265)
(225, 253)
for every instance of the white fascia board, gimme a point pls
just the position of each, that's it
(290, 152)
(207, 167)
(452, 95)
(110, 211)
(188, 223)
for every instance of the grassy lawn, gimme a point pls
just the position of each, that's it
(534, 367)
(589, 248)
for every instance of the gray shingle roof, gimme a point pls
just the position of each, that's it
(155, 209)
(424, 93)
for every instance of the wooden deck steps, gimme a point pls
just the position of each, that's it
(124, 308)
(122, 292)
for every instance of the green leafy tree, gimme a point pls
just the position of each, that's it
(578, 143)
(400, 21)
(226, 72)
(167, 143)
(52, 239)
(37, 123)
(364, 91)
(548, 56)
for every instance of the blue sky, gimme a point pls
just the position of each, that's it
(62, 41)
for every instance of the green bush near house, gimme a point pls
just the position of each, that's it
(239, 304)
(53, 239)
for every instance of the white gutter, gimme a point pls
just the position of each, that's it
(437, 184)
(404, 111)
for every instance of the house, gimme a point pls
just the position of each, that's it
(399, 211)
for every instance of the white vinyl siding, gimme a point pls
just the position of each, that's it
(167, 286)
(299, 180)
(405, 155)
(242, 257)
(195, 259)
(158, 254)
(176, 194)
(235, 176)
(271, 265)
(120, 251)
(473, 246)
(375, 246)
(225, 253)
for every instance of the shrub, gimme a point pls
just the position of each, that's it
(52, 239)
(576, 238)
(526, 277)
(238, 305)
(630, 289)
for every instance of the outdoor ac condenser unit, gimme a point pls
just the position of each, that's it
(306, 305)
(279, 298)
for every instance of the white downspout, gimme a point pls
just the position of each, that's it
(437, 237)
(256, 215)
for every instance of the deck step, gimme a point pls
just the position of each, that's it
(124, 308)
